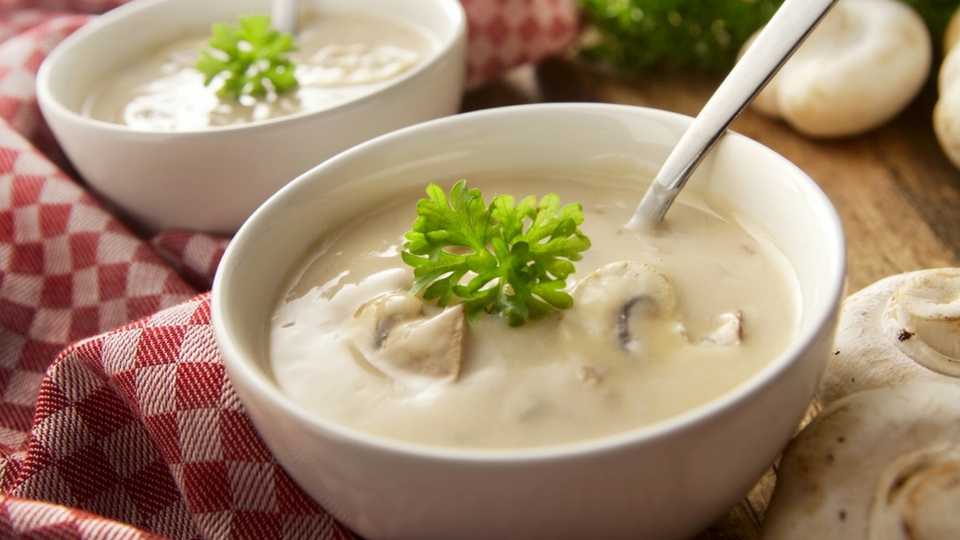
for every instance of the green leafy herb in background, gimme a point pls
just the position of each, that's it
(515, 257)
(633, 35)
(704, 34)
(252, 58)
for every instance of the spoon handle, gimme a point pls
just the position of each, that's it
(284, 15)
(788, 28)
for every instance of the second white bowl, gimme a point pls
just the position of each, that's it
(212, 179)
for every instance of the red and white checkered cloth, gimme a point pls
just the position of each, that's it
(116, 417)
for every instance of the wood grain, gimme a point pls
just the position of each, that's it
(897, 194)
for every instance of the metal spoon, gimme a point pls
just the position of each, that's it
(788, 28)
(284, 15)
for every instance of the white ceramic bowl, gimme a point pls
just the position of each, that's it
(668, 480)
(212, 179)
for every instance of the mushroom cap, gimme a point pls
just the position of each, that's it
(864, 63)
(904, 327)
(875, 464)
(946, 112)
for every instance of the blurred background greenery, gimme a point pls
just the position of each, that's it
(634, 35)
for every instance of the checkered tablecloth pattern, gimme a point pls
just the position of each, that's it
(116, 416)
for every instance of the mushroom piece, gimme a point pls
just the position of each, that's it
(728, 333)
(629, 304)
(903, 327)
(395, 336)
(876, 464)
(946, 112)
(620, 304)
(864, 63)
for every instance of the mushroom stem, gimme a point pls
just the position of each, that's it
(903, 327)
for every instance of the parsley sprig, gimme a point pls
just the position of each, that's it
(506, 258)
(252, 58)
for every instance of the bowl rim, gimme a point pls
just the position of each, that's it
(120, 15)
(239, 366)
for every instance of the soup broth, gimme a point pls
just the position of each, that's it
(719, 302)
(341, 57)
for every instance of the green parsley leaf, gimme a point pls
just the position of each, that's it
(507, 258)
(251, 59)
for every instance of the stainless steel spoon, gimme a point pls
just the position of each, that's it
(788, 28)
(284, 15)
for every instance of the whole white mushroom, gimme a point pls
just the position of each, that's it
(864, 63)
(881, 464)
(946, 113)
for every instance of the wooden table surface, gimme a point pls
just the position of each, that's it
(897, 194)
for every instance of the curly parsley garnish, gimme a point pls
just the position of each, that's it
(251, 58)
(515, 257)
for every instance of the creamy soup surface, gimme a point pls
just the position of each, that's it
(722, 303)
(340, 57)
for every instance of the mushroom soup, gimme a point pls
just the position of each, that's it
(341, 57)
(662, 322)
